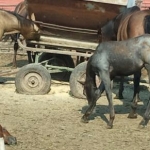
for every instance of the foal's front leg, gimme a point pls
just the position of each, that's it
(92, 94)
(136, 98)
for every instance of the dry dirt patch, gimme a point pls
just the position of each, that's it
(52, 121)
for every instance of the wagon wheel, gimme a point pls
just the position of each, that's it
(58, 60)
(33, 79)
(77, 79)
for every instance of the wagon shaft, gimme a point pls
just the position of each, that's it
(8, 72)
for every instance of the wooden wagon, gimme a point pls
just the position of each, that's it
(68, 37)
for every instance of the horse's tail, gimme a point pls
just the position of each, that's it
(147, 24)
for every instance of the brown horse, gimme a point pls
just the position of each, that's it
(8, 138)
(21, 10)
(132, 25)
(12, 22)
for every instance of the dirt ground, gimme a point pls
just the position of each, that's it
(52, 121)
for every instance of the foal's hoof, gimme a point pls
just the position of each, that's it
(132, 116)
(109, 126)
(143, 124)
(84, 120)
(10, 140)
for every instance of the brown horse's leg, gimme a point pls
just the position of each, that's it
(2, 146)
(8, 138)
(121, 88)
(1, 131)
(30, 60)
(136, 98)
(15, 54)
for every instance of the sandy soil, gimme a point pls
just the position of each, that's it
(52, 121)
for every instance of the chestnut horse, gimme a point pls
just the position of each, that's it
(12, 22)
(8, 138)
(21, 10)
(116, 58)
(132, 25)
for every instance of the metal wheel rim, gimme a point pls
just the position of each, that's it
(32, 80)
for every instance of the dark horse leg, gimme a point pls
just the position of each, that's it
(136, 98)
(146, 116)
(121, 88)
(106, 78)
(16, 46)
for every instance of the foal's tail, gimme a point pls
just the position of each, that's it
(147, 24)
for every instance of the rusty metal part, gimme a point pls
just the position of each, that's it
(71, 18)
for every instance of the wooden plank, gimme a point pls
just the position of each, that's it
(74, 44)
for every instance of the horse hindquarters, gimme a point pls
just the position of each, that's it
(106, 78)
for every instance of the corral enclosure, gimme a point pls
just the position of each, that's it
(52, 121)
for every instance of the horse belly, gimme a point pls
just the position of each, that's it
(126, 67)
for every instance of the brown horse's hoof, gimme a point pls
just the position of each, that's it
(118, 97)
(10, 140)
(132, 116)
(84, 120)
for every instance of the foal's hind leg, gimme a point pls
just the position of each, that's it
(136, 98)
(146, 116)
(105, 77)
